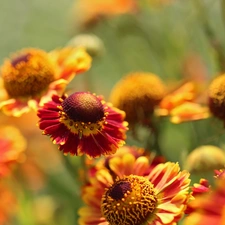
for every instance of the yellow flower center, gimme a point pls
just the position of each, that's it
(129, 201)
(83, 113)
(29, 73)
(217, 97)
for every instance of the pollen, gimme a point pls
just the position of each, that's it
(27, 73)
(129, 201)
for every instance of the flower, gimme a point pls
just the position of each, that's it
(12, 147)
(87, 12)
(83, 123)
(137, 94)
(217, 97)
(181, 105)
(196, 190)
(205, 158)
(93, 165)
(134, 196)
(208, 208)
(189, 111)
(32, 75)
(185, 93)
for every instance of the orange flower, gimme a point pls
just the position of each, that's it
(12, 146)
(135, 195)
(185, 93)
(31, 76)
(189, 111)
(89, 11)
(180, 105)
(208, 208)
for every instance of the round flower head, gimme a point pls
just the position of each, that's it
(31, 75)
(138, 94)
(83, 123)
(205, 158)
(217, 97)
(135, 197)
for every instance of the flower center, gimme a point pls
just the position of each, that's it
(83, 107)
(28, 74)
(129, 201)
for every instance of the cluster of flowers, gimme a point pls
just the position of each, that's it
(129, 185)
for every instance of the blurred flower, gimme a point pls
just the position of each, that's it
(205, 158)
(8, 204)
(189, 111)
(12, 147)
(208, 208)
(138, 94)
(32, 75)
(220, 173)
(201, 187)
(196, 190)
(87, 12)
(135, 196)
(180, 105)
(217, 97)
(185, 93)
(83, 123)
(93, 44)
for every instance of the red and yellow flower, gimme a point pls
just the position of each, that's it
(83, 123)
(12, 147)
(31, 76)
(135, 195)
(209, 207)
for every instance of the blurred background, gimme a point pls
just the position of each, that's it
(175, 39)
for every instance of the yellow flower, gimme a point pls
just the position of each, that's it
(217, 97)
(31, 76)
(137, 194)
(138, 94)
